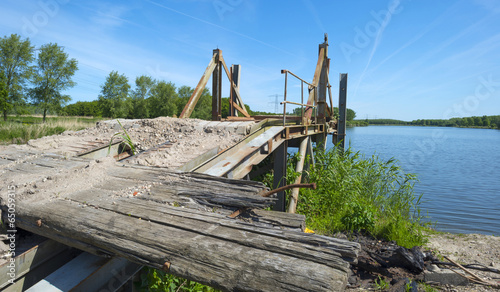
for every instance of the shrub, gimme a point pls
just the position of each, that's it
(355, 193)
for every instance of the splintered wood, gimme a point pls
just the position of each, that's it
(176, 221)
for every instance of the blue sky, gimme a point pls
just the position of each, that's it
(405, 59)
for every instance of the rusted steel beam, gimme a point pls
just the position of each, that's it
(291, 186)
(322, 90)
(290, 72)
(235, 78)
(317, 73)
(296, 103)
(341, 127)
(244, 112)
(188, 109)
(216, 87)
(236, 88)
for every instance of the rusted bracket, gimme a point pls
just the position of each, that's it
(277, 190)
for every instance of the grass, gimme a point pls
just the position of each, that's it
(153, 280)
(19, 130)
(360, 194)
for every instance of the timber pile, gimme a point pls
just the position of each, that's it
(177, 222)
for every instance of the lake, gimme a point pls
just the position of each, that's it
(458, 170)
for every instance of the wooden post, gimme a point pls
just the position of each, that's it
(292, 207)
(235, 76)
(340, 136)
(216, 87)
(280, 175)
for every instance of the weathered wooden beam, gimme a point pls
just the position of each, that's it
(189, 107)
(213, 251)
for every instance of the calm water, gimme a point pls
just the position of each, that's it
(458, 169)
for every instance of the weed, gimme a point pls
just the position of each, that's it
(157, 280)
(126, 138)
(426, 287)
(381, 284)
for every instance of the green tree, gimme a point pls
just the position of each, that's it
(163, 100)
(486, 121)
(51, 75)
(143, 86)
(114, 94)
(351, 115)
(477, 121)
(4, 94)
(15, 58)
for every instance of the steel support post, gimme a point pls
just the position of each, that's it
(216, 87)
(280, 156)
(341, 125)
(235, 76)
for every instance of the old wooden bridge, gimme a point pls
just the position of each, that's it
(204, 221)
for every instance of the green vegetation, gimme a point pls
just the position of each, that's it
(381, 284)
(487, 122)
(158, 281)
(18, 130)
(51, 75)
(362, 194)
(126, 138)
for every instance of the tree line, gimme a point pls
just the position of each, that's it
(468, 122)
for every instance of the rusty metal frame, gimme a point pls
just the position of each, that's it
(216, 62)
(304, 120)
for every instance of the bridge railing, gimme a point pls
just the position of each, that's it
(302, 104)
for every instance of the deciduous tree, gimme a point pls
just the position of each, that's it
(163, 100)
(143, 86)
(15, 58)
(4, 94)
(113, 95)
(51, 75)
